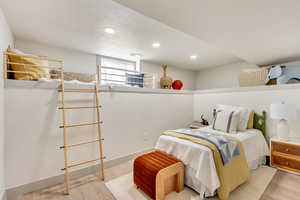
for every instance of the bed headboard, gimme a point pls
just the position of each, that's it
(259, 122)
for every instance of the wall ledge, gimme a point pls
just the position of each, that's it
(9, 83)
(248, 89)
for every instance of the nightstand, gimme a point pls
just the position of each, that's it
(285, 154)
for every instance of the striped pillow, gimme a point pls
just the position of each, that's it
(226, 121)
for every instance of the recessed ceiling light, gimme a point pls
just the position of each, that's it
(193, 57)
(109, 30)
(156, 45)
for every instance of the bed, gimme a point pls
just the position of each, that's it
(200, 170)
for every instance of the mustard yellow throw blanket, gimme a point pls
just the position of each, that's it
(231, 175)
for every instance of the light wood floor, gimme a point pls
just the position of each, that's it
(85, 188)
(284, 186)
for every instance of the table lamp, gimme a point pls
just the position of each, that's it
(283, 112)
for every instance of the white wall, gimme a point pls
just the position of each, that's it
(132, 123)
(6, 39)
(188, 77)
(83, 62)
(221, 77)
(258, 100)
(74, 61)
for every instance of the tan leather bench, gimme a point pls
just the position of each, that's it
(157, 174)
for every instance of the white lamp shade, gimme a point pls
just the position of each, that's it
(283, 111)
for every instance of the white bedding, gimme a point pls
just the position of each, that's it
(200, 169)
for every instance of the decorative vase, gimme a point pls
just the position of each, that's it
(177, 85)
(165, 81)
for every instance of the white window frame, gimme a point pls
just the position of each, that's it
(121, 79)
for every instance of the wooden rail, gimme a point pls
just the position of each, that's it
(82, 163)
(77, 90)
(83, 124)
(34, 57)
(57, 68)
(79, 107)
(82, 143)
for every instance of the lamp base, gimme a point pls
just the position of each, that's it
(283, 129)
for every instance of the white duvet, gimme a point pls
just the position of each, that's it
(200, 169)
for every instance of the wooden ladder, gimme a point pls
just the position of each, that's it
(65, 126)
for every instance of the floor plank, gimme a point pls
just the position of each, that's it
(284, 186)
(86, 188)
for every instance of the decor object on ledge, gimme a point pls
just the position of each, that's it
(177, 85)
(165, 81)
(283, 74)
(253, 77)
(71, 76)
(271, 75)
(283, 112)
(23, 66)
(135, 79)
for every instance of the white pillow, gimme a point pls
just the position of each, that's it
(226, 121)
(244, 114)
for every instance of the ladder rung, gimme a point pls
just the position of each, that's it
(82, 163)
(79, 107)
(77, 90)
(83, 124)
(82, 143)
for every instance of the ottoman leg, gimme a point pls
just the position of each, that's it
(160, 188)
(179, 181)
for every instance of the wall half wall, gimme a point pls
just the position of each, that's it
(133, 122)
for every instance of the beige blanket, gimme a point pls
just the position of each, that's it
(231, 175)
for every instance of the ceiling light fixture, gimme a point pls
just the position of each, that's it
(193, 57)
(156, 45)
(109, 30)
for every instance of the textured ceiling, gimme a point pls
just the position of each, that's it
(261, 32)
(80, 24)
(219, 32)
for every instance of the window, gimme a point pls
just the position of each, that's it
(122, 72)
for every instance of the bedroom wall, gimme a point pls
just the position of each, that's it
(83, 62)
(6, 38)
(222, 76)
(74, 61)
(258, 99)
(132, 123)
(226, 76)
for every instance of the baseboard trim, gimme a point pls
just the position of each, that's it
(15, 192)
